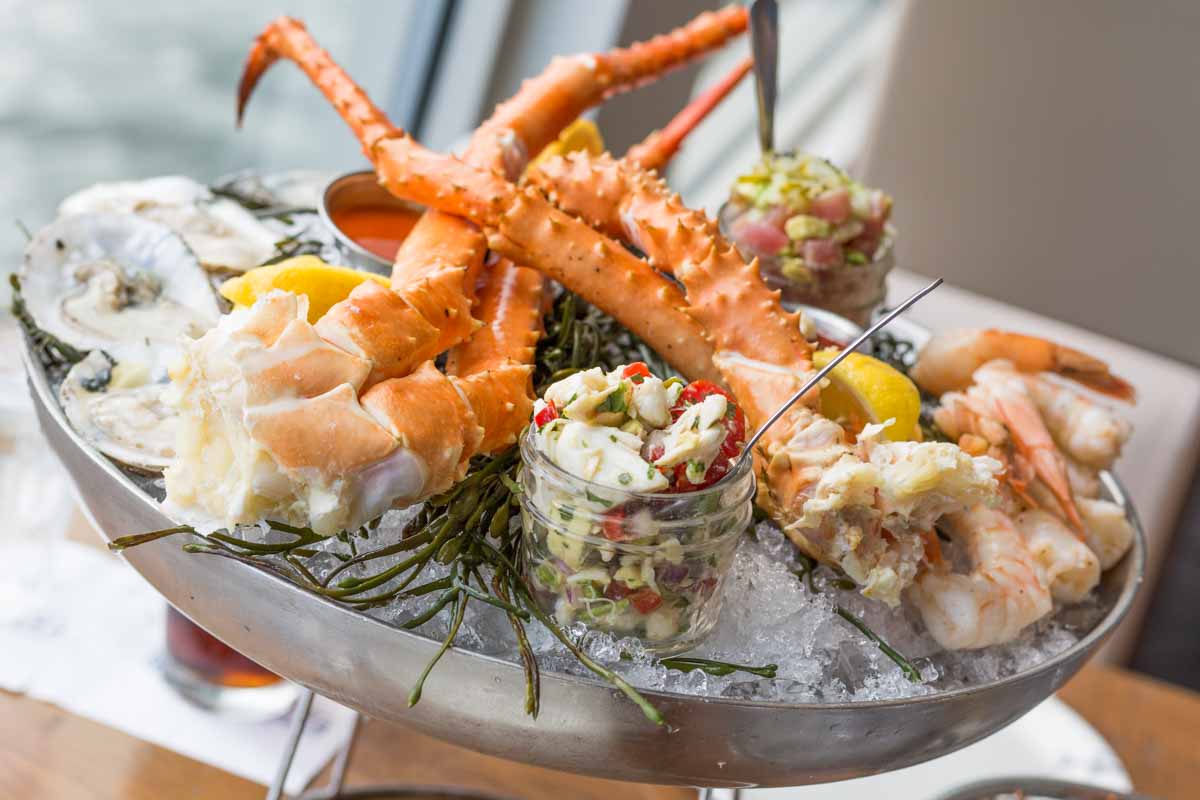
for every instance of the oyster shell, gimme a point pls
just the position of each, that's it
(118, 410)
(295, 189)
(119, 283)
(222, 234)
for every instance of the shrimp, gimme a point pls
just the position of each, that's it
(1088, 432)
(1070, 566)
(967, 419)
(1085, 481)
(949, 360)
(999, 385)
(1107, 529)
(1003, 592)
(959, 415)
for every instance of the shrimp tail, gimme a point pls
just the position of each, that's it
(1029, 434)
(1092, 373)
(949, 359)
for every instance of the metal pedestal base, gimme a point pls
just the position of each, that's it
(335, 789)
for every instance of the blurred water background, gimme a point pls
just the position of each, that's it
(97, 90)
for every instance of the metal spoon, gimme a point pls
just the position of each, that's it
(764, 45)
(821, 373)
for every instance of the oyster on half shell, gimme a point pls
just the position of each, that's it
(118, 283)
(221, 233)
(118, 409)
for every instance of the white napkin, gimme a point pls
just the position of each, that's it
(1051, 741)
(93, 649)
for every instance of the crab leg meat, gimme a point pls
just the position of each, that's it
(330, 424)
(509, 302)
(764, 363)
(438, 278)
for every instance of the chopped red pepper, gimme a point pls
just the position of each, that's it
(548, 414)
(695, 392)
(645, 600)
(613, 525)
(731, 445)
(616, 590)
(637, 371)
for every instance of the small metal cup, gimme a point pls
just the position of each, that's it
(353, 190)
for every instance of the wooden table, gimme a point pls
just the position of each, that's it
(48, 753)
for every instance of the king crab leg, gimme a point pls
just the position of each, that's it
(434, 268)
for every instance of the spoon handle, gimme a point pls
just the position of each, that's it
(850, 348)
(764, 45)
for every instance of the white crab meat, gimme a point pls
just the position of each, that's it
(244, 412)
(695, 438)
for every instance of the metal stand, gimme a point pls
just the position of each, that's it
(334, 790)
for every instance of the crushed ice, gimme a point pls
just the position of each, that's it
(770, 616)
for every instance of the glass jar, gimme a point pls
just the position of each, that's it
(855, 291)
(652, 566)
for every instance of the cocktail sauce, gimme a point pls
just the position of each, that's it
(379, 229)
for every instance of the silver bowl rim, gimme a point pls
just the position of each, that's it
(40, 383)
(340, 237)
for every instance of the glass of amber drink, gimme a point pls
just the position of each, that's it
(211, 674)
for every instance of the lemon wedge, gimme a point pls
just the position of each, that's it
(323, 284)
(865, 390)
(582, 134)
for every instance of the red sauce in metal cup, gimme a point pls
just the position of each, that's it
(379, 229)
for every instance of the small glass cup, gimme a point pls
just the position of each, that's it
(855, 291)
(652, 566)
(213, 675)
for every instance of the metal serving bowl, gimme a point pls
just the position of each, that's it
(585, 726)
(355, 190)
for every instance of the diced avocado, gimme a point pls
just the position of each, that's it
(548, 576)
(580, 526)
(847, 230)
(795, 271)
(672, 551)
(568, 548)
(630, 575)
(803, 226)
(634, 426)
